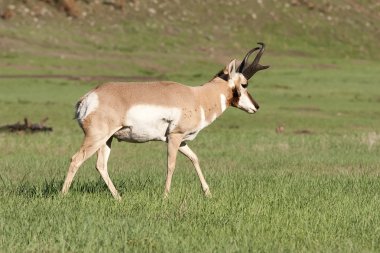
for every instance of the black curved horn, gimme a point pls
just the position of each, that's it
(242, 65)
(250, 70)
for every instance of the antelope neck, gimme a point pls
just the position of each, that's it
(214, 98)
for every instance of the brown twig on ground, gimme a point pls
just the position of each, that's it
(27, 127)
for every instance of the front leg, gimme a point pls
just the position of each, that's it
(185, 149)
(174, 140)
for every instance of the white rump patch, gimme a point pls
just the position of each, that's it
(87, 105)
(150, 122)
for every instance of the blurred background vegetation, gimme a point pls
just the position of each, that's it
(181, 40)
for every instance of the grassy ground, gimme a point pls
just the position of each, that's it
(317, 191)
(314, 187)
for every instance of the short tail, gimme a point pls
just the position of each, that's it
(86, 105)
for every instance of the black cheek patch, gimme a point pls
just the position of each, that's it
(235, 93)
(235, 101)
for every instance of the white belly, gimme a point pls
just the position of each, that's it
(148, 123)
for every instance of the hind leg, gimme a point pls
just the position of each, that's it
(101, 165)
(90, 145)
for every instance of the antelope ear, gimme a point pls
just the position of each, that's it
(231, 68)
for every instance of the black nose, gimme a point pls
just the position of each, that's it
(253, 102)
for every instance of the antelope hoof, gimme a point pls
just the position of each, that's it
(64, 191)
(208, 193)
(117, 197)
(62, 194)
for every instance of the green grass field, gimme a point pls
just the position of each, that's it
(271, 192)
(315, 187)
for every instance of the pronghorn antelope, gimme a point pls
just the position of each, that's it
(159, 111)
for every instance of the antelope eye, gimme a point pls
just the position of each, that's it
(244, 85)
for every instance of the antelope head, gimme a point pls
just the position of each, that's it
(238, 80)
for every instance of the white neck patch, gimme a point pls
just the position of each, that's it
(203, 122)
(223, 102)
